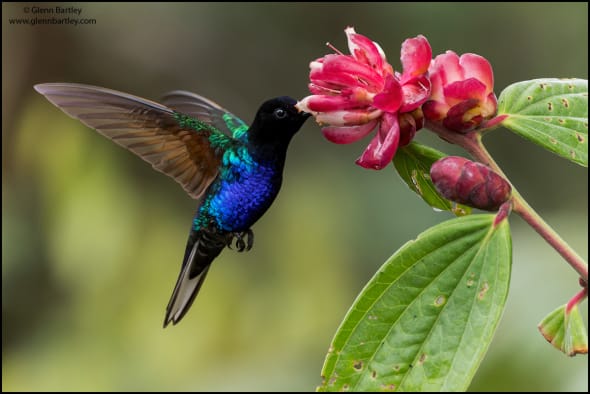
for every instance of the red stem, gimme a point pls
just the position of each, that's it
(579, 297)
(535, 221)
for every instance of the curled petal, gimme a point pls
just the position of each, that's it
(364, 50)
(390, 98)
(467, 89)
(478, 67)
(416, 55)
(415, 93)
(464, 116)
(348, 65)
(347, 135)
(383, 146)
(328, 77)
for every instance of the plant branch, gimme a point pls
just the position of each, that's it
(472, 143)
(575, 300)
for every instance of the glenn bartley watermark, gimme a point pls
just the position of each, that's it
(40, 15)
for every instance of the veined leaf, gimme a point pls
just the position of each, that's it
(425, 320)
(552, 113)
(413, 163)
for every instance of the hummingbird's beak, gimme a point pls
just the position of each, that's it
(303, 113)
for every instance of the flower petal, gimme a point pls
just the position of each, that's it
(416, 55)
(489, 106)
(328, 76)
(316, 64)
(448, 67)
(471, 177)
(435, 110)
(436, 86)
(478, 67)
(445, 174)
(467, 89)
(302, 104)
(364, 50)
(383, 146)
(409, 124)
(352, 117)
(323, 103)
(415, 93)
(390, 98)
(347, 135)
(461, 117)
(317, 89)
(349, 65)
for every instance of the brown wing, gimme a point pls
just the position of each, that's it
(148, 129)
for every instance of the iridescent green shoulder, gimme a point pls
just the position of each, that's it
(236, 125)
(188, 122)
(217, 139)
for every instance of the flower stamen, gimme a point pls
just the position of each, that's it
(332, 47)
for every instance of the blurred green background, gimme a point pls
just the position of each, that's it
(93, 237)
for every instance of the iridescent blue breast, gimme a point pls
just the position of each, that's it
(244, 190)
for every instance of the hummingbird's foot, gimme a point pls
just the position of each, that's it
(242, 245)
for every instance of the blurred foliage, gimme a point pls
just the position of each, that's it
(93, 237)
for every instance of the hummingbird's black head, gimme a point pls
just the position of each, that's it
(277, 120)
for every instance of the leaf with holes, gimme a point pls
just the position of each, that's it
(413, 163)
(425, 320)
(552, 113)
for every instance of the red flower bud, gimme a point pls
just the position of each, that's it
(469, 183)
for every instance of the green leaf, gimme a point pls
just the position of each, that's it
(425, 320)
(552, 113)
(413, 163)
(552, 327)
(565, 331)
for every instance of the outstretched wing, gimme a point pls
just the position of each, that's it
(172, 143)
(206, 110)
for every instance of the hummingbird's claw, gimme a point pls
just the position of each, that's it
(240, 244)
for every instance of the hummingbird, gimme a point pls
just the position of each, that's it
(233, 170)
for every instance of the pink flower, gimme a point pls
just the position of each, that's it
(354, 94)
(462, 91)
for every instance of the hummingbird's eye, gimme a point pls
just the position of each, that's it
(280, 113)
